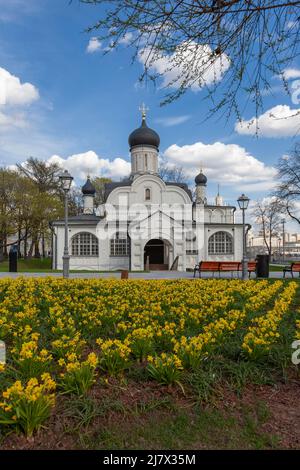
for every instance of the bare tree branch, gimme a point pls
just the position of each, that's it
(231, 49)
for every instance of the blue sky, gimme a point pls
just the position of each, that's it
(82, 106)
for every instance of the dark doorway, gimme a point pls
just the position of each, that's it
(155, 250)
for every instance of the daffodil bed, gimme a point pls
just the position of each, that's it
(65, 337)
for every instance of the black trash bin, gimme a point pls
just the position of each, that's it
(262, 266)
(13, 259)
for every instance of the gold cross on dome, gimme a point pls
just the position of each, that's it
(143, 109)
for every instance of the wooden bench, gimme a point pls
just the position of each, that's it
(293, 268)
(223, 266)
(251, 267)
(211, 266)
(229, 266)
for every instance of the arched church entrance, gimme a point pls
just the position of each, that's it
(156, 254)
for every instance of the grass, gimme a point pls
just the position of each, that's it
(184, 428)
(29, 265)
(40, 265)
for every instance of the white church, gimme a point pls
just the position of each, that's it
(148, 223)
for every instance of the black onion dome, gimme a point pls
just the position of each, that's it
(144, 136)
(88, 189)
(200, 179)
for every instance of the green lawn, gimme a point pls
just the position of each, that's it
(44, 266)
(275, 267)
(41, 265)
(29, 265)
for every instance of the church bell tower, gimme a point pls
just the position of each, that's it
(144, 146)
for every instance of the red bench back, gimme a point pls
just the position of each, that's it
(251, 265)
(209, 265)
(295, 267)
(229, 265)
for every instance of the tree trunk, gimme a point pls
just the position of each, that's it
(1, 250)
(25, 244)
(19, 243)
(30, 252)
(5, 246)
(36, 248)
(43, 245)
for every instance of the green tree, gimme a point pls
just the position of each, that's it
(46, 200)
(8, 179)
(43, 174)
(99, 183)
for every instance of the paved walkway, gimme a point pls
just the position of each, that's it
(150, 275)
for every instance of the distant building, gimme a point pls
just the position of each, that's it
(291, 245)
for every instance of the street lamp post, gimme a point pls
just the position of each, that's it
(283, 238)
(243, 202)
(66, 180)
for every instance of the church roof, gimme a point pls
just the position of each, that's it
(109, 187)
(143, 135)
(88, 189)
(91, 219)
(201, 179)
(183, 186)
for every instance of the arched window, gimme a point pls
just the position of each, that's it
(147, 194)
(119, 244)
(85, 244)
(220, 243)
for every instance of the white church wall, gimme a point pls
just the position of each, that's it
(76, 262)
(237, 234)
(139, 192)
(88, 263)
(160, 193)
(119, 196)
(238, 242)
(144, 159)
(118, 262)
(88, 204)
(60, 230)
(219, 216)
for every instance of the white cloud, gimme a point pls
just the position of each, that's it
(291, 24)
(94, 45)
(15, 93)
(82, 164)
(126, 39)
(172, 120)
(291, 73)
(14, 120)
(228, 164)
(279, 121)
(185, 64)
